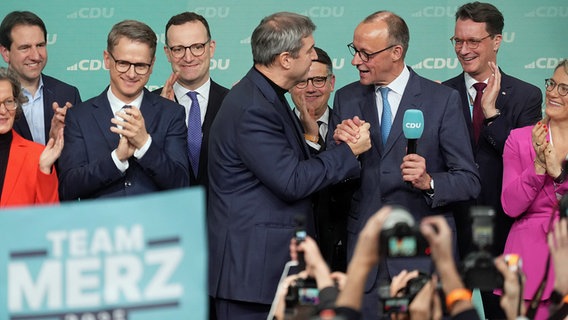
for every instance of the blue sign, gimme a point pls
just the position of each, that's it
(136, 258)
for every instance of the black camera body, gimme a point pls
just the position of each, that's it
(401, 302)
(304, 292)
(478, 269)
(401, 237)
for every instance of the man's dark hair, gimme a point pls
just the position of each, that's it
(323, 57)
(482, 12)
(16, 18)
(186, 17)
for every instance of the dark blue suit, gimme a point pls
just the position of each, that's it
(216, 95)
(261, 175)
(520, 104)
(444, 144)
(53, 91)
(87, 169)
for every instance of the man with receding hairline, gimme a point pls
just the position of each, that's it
(440, 173)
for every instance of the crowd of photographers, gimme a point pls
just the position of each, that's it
(316, 293)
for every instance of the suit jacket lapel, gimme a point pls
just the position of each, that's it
(102, 113)
(410, 100)
(370, 114)
(48, 95)
(505, 92)
(148, 110)
(282, 108)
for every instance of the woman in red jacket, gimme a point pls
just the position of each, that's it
(27, 175)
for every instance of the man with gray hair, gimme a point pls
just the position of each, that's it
(261, 172)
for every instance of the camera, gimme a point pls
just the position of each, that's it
(401, 237)
(304, 292)
(404, 297)
(478, 268)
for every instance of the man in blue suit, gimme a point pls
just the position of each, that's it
(477, 39)
(261, 173)
(23, 44)
(127, 140)
(441, 172)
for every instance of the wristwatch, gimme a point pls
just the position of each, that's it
(491, 119)
(561, 178)
(430, 192)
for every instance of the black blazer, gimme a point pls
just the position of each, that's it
(53, 91)
(216, 95)
(520, 104)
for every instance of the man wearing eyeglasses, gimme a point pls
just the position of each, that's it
(126, 141)
(23, 44)
(331, 205)
(442, 170)
(189, 49)
(489, 118)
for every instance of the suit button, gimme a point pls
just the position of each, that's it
(127, 183)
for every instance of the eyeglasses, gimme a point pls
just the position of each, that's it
(9, 104)
(196, 49)
(364, 55)
(471, 43)
(317, 82)
(123, 66)
(550, 84)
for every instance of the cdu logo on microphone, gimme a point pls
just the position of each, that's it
(413, 124)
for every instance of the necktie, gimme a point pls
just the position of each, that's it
(478, 116)
(386, 118)
(321, 140)
(194, 133)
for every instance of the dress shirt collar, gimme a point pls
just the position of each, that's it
(116, 104)
(399, 83)
(202, 91)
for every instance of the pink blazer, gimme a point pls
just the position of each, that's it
(531, 199)
(24, 183)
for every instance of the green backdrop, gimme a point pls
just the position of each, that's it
(534, 34)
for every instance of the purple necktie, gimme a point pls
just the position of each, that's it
(194, 134)
(478, 116)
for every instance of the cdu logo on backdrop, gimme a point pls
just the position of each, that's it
(91, 13)
(213, 12)
(548, 12)
(324, 12)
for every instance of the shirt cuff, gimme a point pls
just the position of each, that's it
(315, 146)
(139, 153)
(120, 165)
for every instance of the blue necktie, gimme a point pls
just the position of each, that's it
(386, 118)
(194, 133)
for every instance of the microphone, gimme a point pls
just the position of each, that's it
(412, 126)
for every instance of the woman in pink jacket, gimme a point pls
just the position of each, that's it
(534, 182)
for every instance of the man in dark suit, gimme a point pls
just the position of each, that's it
(330, 204)
(477, 39)
(441, 172)
(189, 49)
(23, 44)
(262, 173)
(145, 148)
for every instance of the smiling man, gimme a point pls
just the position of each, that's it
(23, 44)
(189, 49)
(262, 173)
(476, 40)
(126, 141)
(428, 182)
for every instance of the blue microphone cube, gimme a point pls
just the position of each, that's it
(413, 124)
